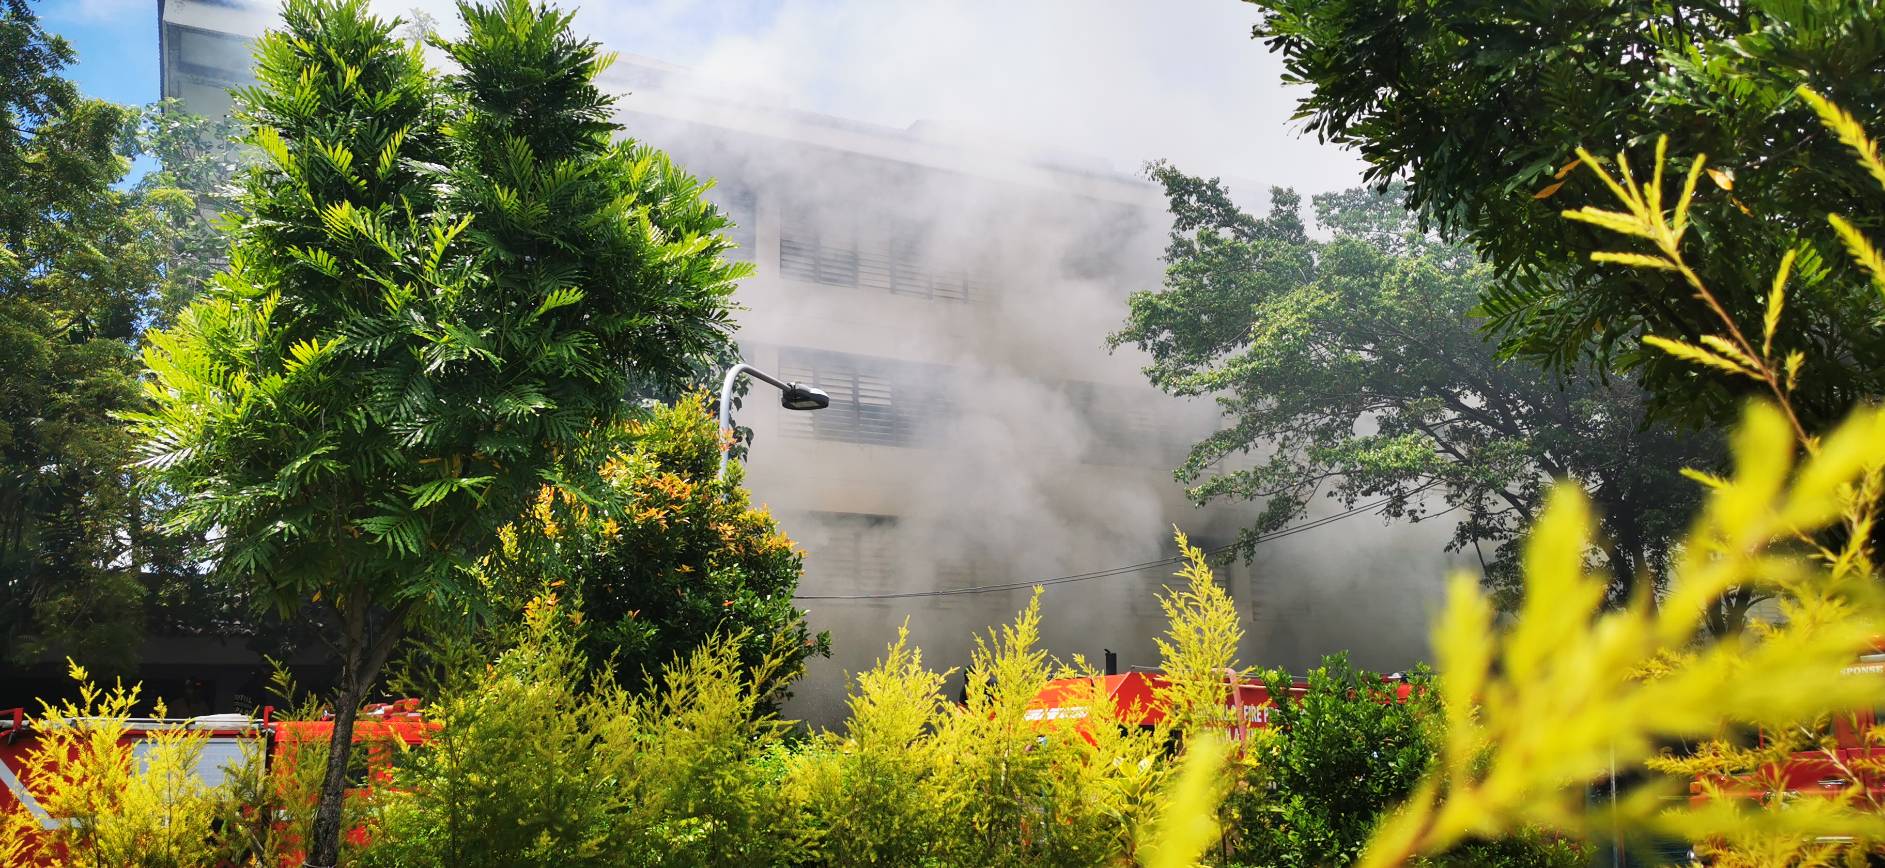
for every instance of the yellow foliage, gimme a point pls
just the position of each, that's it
(1185, 830)
(1199, 654)
(1571, 692)
(1563, 705)
(997, 781)
(110, 808)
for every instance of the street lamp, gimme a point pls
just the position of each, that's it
(797, 396)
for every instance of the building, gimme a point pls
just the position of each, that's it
(953, 294)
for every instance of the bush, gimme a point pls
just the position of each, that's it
(1338, 755)
(660, 553)
(112, 809)
(1337, 758)
(539, 762)
(536, 763)
(873, 796)
(542, 759)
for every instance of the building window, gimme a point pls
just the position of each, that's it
(868, 252)
(956, 572)
(878, 402)
(219, 57)
(850, 552)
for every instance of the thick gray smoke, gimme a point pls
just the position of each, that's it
(942, 202)
(1122, 80)
(954, 292)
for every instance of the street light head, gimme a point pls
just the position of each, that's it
(799, 396)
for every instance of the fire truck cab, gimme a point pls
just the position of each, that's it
(1852, 760)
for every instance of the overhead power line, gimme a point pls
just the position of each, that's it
(1112, 571)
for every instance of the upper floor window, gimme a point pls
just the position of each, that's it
(851, 552)
(873, 401)
(867, 251)
(1130, 425)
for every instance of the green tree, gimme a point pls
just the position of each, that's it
(80, 261)
(1479, 107)
(1355, 367)
(199, 160)
(662, 555)
(435, 287)
(1342, 748)
(1337, 755)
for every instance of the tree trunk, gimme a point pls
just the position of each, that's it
(324, 850)
(364, 655)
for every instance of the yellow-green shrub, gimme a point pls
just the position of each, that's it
(873, 796)
(536, 766)
(1570, 691)
(544, 760)
(109, 808)
(513, 777)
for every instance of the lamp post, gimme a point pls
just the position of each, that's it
(797, 396)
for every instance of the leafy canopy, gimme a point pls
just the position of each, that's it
(85, 265)
(1479, 107)
(1565, 694)
(1355, 367)
(436, 288)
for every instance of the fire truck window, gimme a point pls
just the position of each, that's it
(213, 760)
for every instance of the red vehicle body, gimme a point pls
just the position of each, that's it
(1851, 761)
(1134, 696)
(1135, 699)
(229, 740)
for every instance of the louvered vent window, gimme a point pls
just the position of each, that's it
(855, 552)
(873, 401)
(956, 573)
(875, 254)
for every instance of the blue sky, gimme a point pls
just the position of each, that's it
(116, 43)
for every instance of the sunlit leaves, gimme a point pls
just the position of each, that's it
(103, 803)
(1861, 250)
(1557, 699)
(1184, 830)
(1475, 110)
(1776, 303)
(429, 493)
(1851, 133)
(423, 279)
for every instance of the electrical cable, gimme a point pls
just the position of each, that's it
(1115, 571)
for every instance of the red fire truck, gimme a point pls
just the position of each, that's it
(1853, 760)
(229, 740)
(1135, 699)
